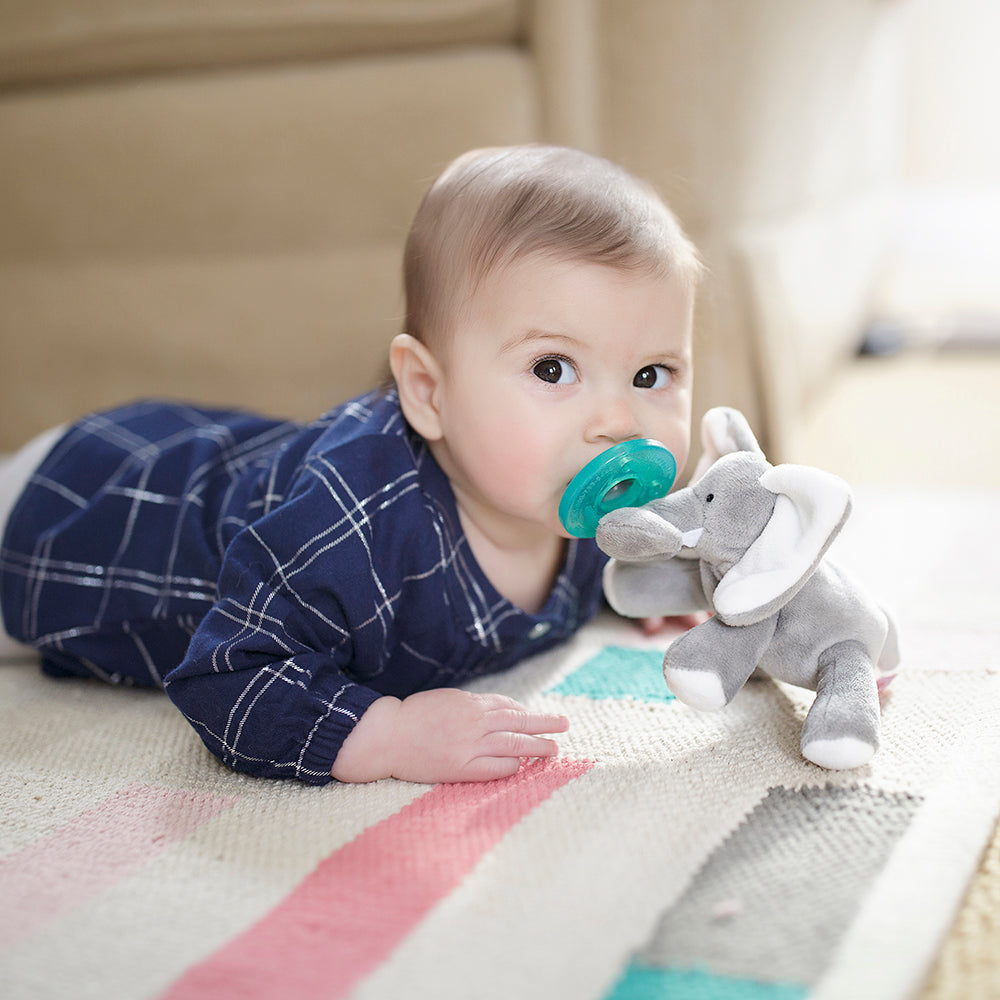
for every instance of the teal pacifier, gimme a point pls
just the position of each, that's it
(629, 474)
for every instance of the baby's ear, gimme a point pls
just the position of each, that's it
(417, 376)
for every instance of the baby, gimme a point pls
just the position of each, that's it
(311, 597)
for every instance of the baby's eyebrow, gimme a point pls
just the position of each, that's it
(533, 336)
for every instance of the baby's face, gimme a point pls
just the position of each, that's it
(551, 363)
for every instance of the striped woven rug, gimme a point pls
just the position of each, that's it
(665, 853)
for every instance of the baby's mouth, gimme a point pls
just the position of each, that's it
(627, 474)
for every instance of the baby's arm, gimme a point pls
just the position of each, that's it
(445, 735)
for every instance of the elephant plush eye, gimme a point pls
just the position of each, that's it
(710, 498)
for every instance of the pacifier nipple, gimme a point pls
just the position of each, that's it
(628, 474)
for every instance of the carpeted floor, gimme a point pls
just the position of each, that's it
(664, 853)
(919, 418)
(925, 418)
(969, 963)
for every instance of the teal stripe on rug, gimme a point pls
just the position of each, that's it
(618, 672)
(644, 982)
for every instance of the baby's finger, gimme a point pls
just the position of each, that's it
(505, 744)
(522, 721)
(653, 625)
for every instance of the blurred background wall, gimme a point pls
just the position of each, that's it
(207, 200)
(927, 412)
(946, 250)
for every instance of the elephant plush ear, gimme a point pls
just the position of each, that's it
(723, 431)
(809, 511)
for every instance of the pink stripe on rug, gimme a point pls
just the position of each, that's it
(354, 909)
(64, 868)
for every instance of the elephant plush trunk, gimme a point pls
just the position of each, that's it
(685, 512)
(636, 534)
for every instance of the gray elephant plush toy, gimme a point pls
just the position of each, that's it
(747, 541)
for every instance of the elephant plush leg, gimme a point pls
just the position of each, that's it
(654, 588)
(706, 666)
(841, 730)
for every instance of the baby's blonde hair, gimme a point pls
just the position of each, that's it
(493, 206)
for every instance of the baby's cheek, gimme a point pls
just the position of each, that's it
(522, 460)
(676, 437)
(520, 465)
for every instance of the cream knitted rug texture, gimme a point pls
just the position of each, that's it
(665, 853)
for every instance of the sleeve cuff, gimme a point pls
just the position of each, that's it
(322, 745)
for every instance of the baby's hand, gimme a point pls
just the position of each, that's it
(666, 623)
(445, 735)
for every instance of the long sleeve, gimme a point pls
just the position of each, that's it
(260, 689)
(274, 676)
(275, 579)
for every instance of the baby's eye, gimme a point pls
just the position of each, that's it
(554, 371)
(652, 377)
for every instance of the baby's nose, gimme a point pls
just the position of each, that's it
(613, 420)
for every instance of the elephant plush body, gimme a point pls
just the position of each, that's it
(747, 541)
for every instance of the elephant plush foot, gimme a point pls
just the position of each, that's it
(707, 665)
(839, 755)
(841, 730)
(701, 689)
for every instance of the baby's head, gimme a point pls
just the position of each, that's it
(493, 206)
(549, 308)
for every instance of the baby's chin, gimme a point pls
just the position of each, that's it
(557, 528)
(541, 522)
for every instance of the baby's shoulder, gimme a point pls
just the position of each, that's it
(384, 485)
(362, 465)
(363, 482)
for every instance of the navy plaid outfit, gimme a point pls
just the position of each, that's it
(274, 578)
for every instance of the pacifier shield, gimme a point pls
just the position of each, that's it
(629, 474)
